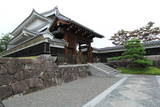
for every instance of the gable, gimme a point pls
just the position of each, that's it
(31, 21)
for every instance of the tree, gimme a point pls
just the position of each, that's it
(4, 41)
(134, 54)
(147, 33)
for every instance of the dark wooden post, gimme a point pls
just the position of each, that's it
(80, 54)
(47, 48)
(90, 56)
(65, 54)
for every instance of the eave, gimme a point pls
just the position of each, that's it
(147, 45)
(88, 29)
(60, 16)
(33, 14)
(28, 43)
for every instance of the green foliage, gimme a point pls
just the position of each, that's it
(134, 53)
(148, 71)
(143, 62)
(134, 50)
(115, 58)
(4, 42)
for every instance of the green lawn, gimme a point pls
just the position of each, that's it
(30, 57)
(148, 71)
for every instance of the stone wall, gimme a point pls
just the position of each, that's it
(155, 59)
(73, 72)
(27, 75)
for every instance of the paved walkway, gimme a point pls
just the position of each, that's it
(72, 94)
(136, 91)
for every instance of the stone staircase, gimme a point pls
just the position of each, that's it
(100, 69)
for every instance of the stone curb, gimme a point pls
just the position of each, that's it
(101, 96)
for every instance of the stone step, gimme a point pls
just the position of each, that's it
(105, 67)
(101, 69)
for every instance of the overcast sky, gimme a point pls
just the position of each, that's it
(103, 16)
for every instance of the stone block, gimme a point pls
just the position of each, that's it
(5, 79)
(74, 76)
(50, 64)
(3, 60)
(28, 66)
(83, 72)
(35, 73)
(49, 82)
(66, 77)
(19, 87)
(47, 75)
(22, 75)
(35, 83)
(27, 74)
(3, 69)
(52, 69)
(58, 74)
(12, 66)
(19, 76)
(5, 91)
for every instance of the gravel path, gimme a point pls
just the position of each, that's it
(73, 94)
(136, 91)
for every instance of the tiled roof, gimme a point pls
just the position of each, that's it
(149, 44)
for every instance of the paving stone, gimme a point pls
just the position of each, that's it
(135, 95)
(136, 91)
(125, 104)
(72, 94)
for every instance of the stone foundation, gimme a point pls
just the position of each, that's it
(27, 75)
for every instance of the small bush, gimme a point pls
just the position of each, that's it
(143, 63)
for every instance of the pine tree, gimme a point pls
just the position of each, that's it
(134, 54)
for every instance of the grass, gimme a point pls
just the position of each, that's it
(30, 57)
(147, 71)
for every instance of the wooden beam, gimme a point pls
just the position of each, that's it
(90, 55)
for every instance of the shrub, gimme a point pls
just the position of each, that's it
(142, 63)
(134, 54)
